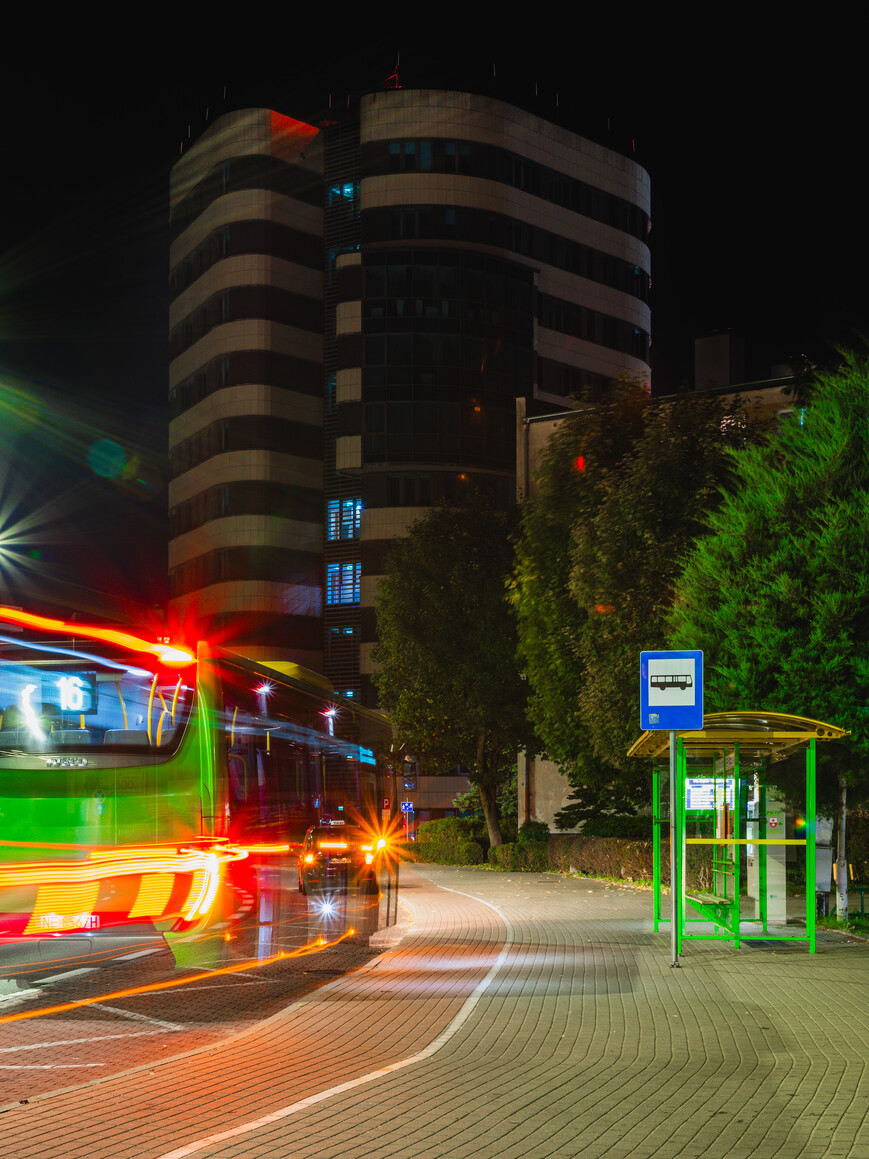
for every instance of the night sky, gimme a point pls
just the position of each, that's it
(759, 225)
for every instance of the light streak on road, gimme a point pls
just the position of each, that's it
(173, 983)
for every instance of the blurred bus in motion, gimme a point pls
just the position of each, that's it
(132, 774)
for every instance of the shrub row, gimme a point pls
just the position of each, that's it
(444, 849)
(521, 855)
(604, 856)
(448, 844)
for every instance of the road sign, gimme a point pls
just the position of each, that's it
(407, 806)
(671, 690)
(385, 802)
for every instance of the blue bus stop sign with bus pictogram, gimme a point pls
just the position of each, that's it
(671, 690)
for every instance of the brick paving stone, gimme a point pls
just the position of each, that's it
(583, 1043)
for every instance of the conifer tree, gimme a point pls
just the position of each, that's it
(777, 592)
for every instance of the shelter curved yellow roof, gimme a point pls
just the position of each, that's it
(770, 734)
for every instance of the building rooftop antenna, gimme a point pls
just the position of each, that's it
(392, 82)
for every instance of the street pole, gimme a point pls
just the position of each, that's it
(674, 857)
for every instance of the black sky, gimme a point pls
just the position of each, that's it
(758, 226)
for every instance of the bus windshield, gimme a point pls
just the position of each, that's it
(57, 696)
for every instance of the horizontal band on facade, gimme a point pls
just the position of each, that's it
(281, 631)
(246, 563)
(247, 433)
(257, 171)
(243, 367)
(414, 223)
(263, 303)
(467, 158)
(247, 497)
(559, 378)
(592, 326)
(240, 238)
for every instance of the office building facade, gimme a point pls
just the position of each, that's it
(246, 386)
(471, 254)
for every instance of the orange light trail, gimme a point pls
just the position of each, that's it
(152, 987)
(107, 955)
(269, 848)
(116, 863)
(166, 653)
(100, 956)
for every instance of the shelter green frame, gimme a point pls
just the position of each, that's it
(768, 736)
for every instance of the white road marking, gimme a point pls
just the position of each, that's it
(227, 985)
(50, 1065)
(31, 993)
(442, 1039)
(63, 977)
(137, 1017)
(74, 1041)
(140, 954)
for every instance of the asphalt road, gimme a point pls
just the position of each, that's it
(189, 992)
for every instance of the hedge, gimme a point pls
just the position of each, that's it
(592, 856)
(605, 857)
(521, 855)
(447, 842)
(445, 851)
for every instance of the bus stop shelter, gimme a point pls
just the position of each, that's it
(740, 844)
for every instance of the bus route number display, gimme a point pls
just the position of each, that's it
(68, 692)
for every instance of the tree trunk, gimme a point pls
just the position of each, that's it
(488, 793)
(489, 799)
(841, 857)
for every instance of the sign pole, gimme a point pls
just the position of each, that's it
(671, 700)
(674, 857)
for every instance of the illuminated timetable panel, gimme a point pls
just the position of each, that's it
(707, 793)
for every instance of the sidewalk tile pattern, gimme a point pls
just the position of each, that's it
(583, 1043)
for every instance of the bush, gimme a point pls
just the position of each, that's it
(634, 827)
(445, 846)
(406, 850)
(518, 855)
(454, 829)
(857, 839)
(594, 856)
(533, 831)
(559, 851)
(606, 857)
(501, 856)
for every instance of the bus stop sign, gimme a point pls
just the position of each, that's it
(671, 690)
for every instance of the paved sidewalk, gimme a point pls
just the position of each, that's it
(536, 1017)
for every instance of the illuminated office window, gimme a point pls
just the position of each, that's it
(343, 517)
(342, 583)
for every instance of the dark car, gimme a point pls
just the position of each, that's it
(337, 856)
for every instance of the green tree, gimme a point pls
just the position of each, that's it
(447, 645)
(777, 592)
(626, 559)
(585, 448)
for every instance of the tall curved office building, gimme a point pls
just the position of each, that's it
(246, 386)
(468, 253)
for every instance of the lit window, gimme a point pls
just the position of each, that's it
(343, 517)
(342, 583)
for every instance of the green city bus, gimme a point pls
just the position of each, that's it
(134, 774)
